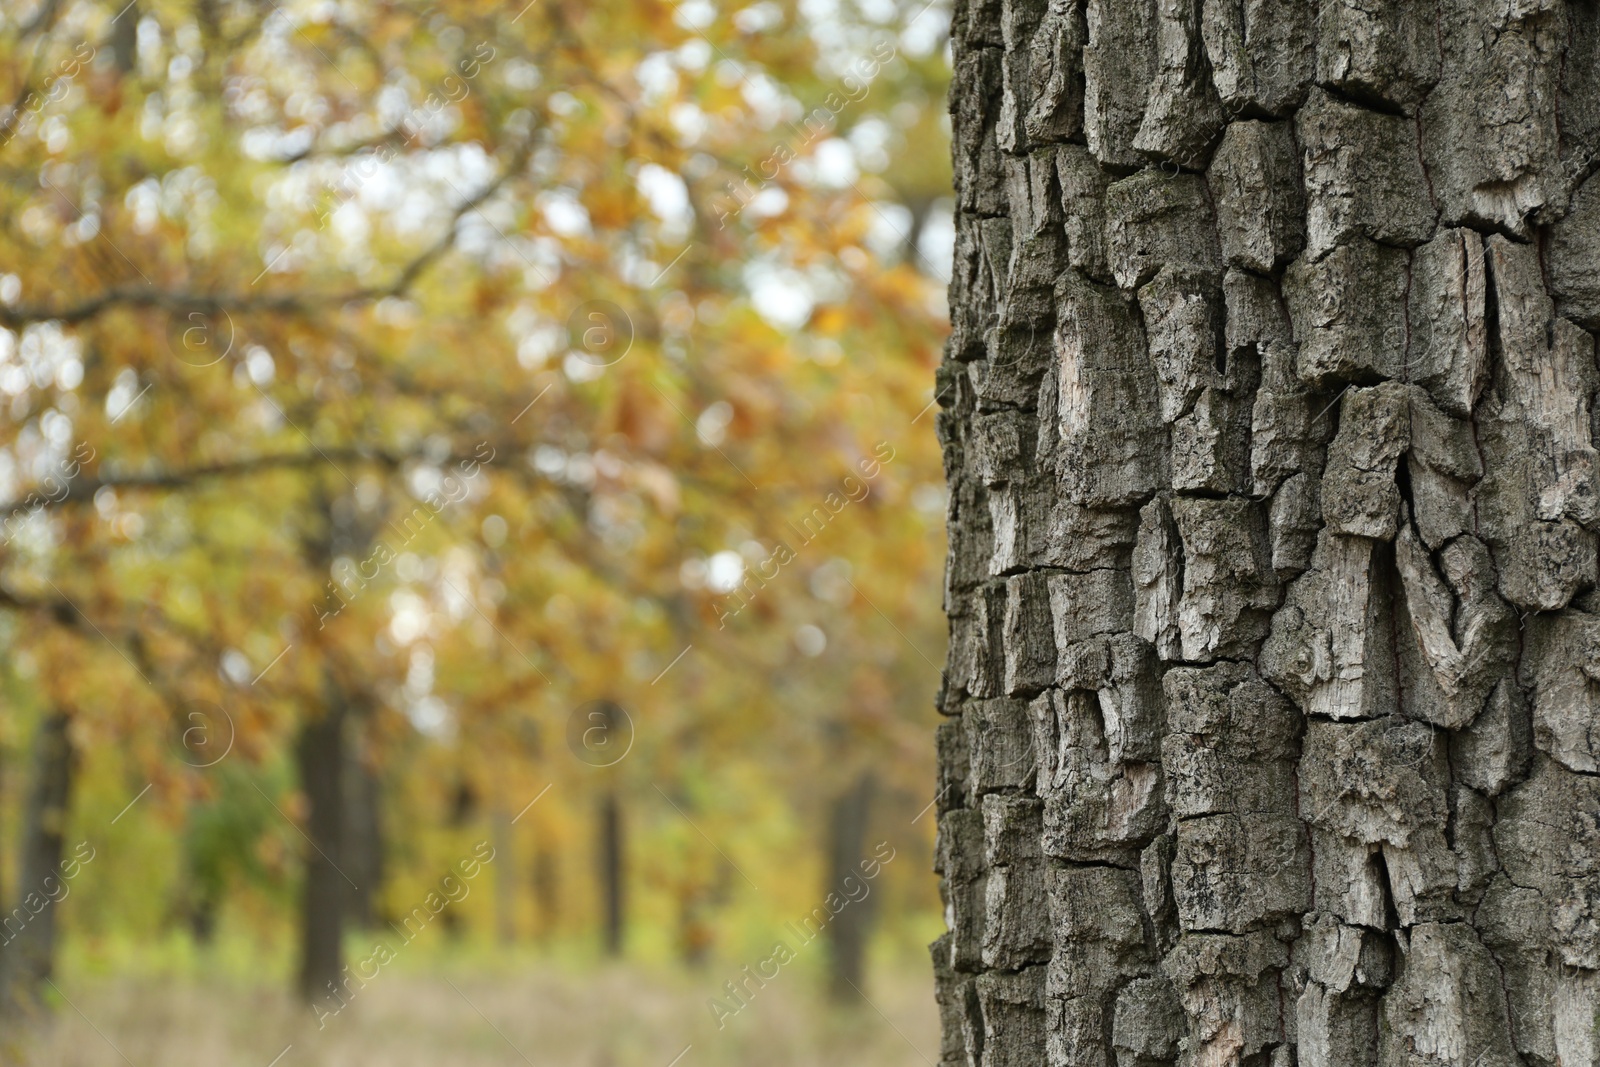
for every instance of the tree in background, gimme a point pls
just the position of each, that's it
(1273, 540)
(30, 926)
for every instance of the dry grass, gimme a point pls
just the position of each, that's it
(468, 1017)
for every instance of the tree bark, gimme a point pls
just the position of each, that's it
(612, 873)
(847, 933)
(28, 928)
(1274, 674)
(319, 754)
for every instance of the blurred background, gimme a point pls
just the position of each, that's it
(472, 554)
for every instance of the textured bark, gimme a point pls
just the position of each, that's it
(1273, 691)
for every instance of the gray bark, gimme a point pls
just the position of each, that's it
(1273, 693)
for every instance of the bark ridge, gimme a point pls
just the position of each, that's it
(1272, 704)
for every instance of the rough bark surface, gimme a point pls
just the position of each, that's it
(1273, 695)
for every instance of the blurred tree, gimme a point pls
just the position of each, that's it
(320, 761)
(363, 817)
(29, 926)
(611, 856)
(849, 820)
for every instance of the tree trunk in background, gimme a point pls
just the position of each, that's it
(363, 841)
(28, 928)
(319, 754)
(464, 803)
(695, 932)
(200, 896)
(1274, 630)
(5, 771)
(505, 876)
(612, 873)
(546, 886)
(847, 933)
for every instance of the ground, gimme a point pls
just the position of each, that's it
(465, 1013)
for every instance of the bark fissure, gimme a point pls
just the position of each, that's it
(1274, 680)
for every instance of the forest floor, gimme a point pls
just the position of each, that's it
(469, 1017)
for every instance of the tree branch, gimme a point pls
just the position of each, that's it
(145, 296)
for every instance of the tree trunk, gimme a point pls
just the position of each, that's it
(696, 934)
(345, 530)
(847, 933)
(612, 873)
(546, 886)
(200, 894)
(1274, 677)
(363, 842)
(319, 754)
(28, 928)
(5, 772)
(505, 876)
